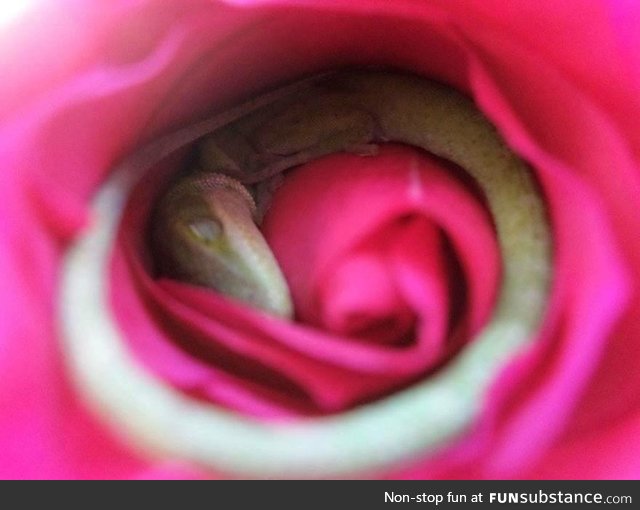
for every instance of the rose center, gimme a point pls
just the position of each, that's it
(360, 241)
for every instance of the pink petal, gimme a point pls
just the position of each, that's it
(569, 104)
(285, 368)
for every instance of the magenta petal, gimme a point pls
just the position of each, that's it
(329, 196)
(611, 453)
(359, 296)
(68, 114)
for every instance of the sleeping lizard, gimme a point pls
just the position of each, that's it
(279, 130)
(217, 243)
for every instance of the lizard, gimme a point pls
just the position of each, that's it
(344, 111)
(279, 130)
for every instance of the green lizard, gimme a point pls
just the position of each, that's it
(350, 111)
(250, 143)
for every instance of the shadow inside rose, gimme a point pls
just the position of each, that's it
(382, 297)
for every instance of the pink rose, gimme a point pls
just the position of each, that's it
(381, 306)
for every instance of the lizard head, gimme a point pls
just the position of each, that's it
(204, 233)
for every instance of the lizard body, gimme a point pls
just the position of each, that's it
(405, 425)
(349, 111)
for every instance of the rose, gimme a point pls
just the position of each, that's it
(568, 108)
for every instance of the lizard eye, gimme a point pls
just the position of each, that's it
(206, 229)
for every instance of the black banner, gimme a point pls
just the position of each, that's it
(329, 495)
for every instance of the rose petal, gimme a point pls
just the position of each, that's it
(434, 41)
(312, 371)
